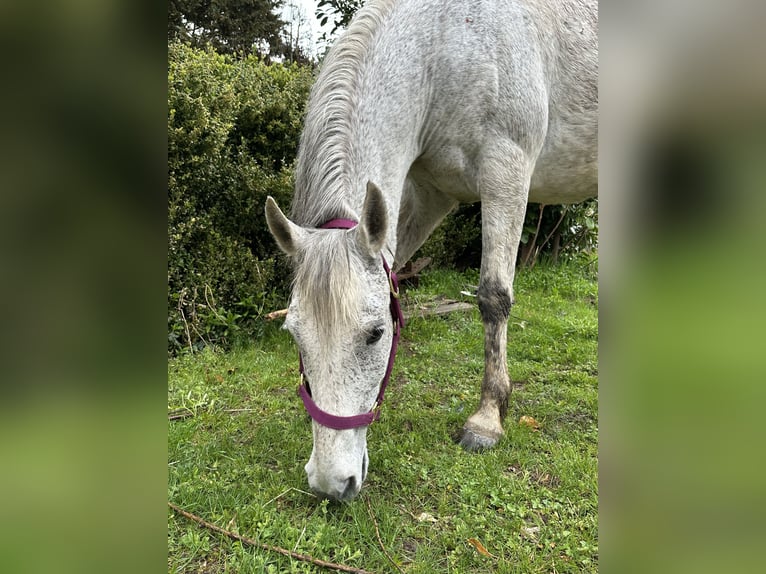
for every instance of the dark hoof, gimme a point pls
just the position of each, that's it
(473, 440)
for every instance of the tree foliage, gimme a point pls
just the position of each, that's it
(229, 26)
(339, 12)
(233, 128)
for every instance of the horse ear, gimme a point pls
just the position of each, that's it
(287, 235)
(374, 219)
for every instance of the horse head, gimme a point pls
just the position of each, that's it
(340, 315)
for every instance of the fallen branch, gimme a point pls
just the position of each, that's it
(380, 540)
(180, 414)
(441, 309)
(277, 549)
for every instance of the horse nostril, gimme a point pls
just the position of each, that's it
(350, 490)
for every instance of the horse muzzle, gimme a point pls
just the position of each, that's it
(336, 482)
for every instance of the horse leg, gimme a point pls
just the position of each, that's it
(503, 185)
(422, 209)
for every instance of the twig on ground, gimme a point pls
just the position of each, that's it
(278, 496)
(299, 538)
(377, 533)
(447, 306)
(277, 549)
(180, 414)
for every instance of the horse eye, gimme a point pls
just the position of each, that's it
(375, 335)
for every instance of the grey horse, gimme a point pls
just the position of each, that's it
(421, 105)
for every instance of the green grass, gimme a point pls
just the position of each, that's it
(531, 501)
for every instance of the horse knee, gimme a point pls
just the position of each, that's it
(494, 301)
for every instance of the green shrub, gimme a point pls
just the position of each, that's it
(233, 128)
(565, 232)
(456, 243)
(559, 231)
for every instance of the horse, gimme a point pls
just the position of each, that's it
(419, 106)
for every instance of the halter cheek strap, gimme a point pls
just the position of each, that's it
(342, 423)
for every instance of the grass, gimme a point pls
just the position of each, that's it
(531, 502)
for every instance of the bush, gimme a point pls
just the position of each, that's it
(550, 231)
(559, 231)
(233, 128)
(456, 243)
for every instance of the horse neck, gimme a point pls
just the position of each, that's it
(362, 124)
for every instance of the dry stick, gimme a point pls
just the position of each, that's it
(443, 309)
(194, 317)
(576, 237)
(182, 414)
(212, 306)
(183, 317)
(251, 542)
(276, 315)
(534, 239)
(555, 227)
(377, 533)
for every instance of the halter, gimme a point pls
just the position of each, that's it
(342, 423)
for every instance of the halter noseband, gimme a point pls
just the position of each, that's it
(342, 423)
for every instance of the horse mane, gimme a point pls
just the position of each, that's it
(327, 280)
(326, 157)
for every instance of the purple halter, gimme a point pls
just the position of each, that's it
(342, 423)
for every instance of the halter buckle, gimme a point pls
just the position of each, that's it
(303, 384)
(394, 289)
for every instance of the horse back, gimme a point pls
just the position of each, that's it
(524, 71)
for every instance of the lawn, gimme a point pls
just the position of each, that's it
(529, 505)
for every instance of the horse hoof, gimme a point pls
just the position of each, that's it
(475, 440)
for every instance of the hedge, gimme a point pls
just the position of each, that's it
(233, 128)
